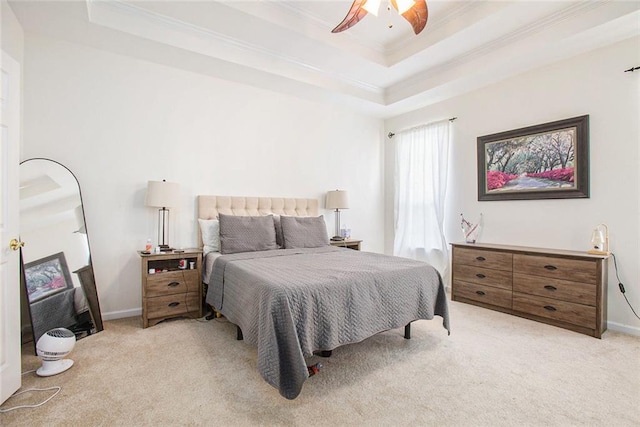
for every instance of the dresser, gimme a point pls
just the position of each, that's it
(171, 285)
(562, 288)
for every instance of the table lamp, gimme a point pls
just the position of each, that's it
(163, 195)
(337, 200)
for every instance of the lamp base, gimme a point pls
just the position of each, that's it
(337, 239)
(166, 248)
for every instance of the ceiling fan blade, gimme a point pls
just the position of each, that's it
(417, 15)
(356, 13)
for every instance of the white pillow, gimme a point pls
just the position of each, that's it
(210, 229)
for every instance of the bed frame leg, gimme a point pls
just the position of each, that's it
(239, 336)
(407, 332)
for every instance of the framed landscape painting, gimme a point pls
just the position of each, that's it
(47, 276)
(547, 161)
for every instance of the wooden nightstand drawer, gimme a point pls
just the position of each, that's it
(484, 294)
(347, 243)
(582, 293)
(173, 282)
(167, 290)
(483, 276)
(483, 258)
(576, 314)
(172, 305)
(575, 270)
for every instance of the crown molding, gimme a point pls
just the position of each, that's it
(521, 33)
(107, 14)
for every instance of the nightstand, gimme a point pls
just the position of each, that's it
(347, 243)
(169, 291)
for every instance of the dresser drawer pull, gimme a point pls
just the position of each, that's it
(480, 276)
(480, 293)
(551, 288)
(549, 307)
(174, 304)
(481, 258)
(173, 284)
(551, 267)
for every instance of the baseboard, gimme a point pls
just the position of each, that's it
(112, 315)
(625, 329)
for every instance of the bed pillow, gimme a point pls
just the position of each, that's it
(210, 229)
(246, 234)
(279, 236)
(304, 232)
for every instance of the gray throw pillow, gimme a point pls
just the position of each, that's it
(304, 232)
(279, 236)
(246, 234)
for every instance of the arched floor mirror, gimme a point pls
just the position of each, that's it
(59, 288)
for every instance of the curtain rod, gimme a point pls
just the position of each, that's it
(391, 134)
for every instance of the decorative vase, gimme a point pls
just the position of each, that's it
(469, 230)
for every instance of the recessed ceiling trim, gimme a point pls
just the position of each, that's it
(110, 14)
(508, 39)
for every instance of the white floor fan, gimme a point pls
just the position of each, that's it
(52, 347)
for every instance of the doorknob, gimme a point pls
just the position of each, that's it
(15, 244)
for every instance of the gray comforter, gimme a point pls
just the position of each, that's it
(292, 302)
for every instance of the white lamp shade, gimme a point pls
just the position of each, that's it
(372, 6)
(404, 5)
(337, 200)
(162, 194)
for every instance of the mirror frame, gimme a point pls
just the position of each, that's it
(85, 274)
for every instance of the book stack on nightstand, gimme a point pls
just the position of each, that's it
(171, 285)
(347, 243)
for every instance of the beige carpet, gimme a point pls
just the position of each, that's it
(494, 370)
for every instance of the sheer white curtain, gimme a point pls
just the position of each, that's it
(422, 157)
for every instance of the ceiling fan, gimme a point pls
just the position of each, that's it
(413, 11)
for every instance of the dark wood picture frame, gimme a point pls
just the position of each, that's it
(47, 276)
(546, 161)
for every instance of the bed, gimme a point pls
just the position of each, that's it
(291, 294)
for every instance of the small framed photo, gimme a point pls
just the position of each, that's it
(47, 276)
(546, 161)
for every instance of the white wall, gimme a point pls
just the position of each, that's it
(593, 84)
(11, 32)
(118, 122)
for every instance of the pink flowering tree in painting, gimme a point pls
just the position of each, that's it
(532, 162)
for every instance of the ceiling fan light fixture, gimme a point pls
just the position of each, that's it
(372, 6)
(404, 5)
(413, 11)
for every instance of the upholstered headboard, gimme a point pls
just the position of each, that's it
(210, 206)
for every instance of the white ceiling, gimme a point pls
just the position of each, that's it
(287, 46)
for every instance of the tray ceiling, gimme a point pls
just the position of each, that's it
(287, 46)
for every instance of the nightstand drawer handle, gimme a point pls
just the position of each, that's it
(480, 293)
(174, 304)
(480, 276)
(551, 288)
(549, 307)
(173, 284)
(481, 258)
(551, 267)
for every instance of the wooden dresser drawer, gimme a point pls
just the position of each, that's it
(483, 258)
(484, 276)
(564, 288)
(172, 305)
(172, 282)
(581, 293)
(481, 293)
(575, 314)
(583, 271)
